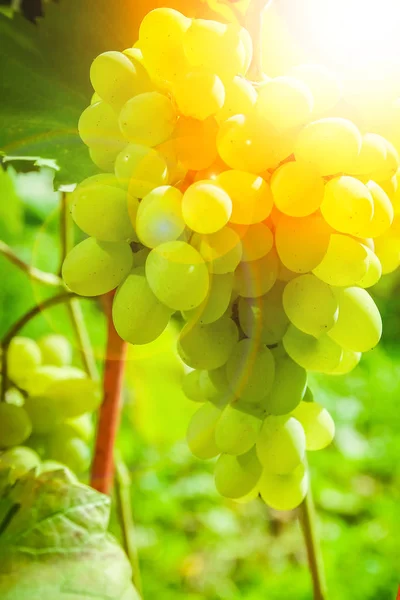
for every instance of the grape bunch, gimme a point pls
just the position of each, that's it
(47, 408)
(253, 210)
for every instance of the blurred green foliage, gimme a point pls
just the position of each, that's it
(193, 544)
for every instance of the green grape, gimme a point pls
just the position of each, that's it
(199, 95)
(250, 195)
(20, 459)
(195, 142)
(69, 450)
(56, 350)
(216, 303)
(98, 128)
(251, 371)
(44, 413)
(236, 432)
(99, 179)
(317, 423)
(297, 188)
(135, 305)
(40, 378)
(285, 102)
(49, 466)
(240, 97)
(94, 268)
(201, 431)
(348, 362)
(345, 262)
(237, 476)
(281, 444)
(140, 169)
(255, 278)
(206, 207)
(177, 275)
(221, 250)
(23, 355)
(374, 270)
(214, 47)
(302, 243)
(310, 304)
(104, 157)
(215, 387)
(191, 386)
(359, 326)
(148, 119)
(264, 318)
(323, 85)
(257, 240)
(15, 425)
(372, 155)
(159, 218)
(314, 354)
(289, 387)
(332, 145)
(103, 211)
(82, 426)
(136, 57)
(248, 143)
(161, 36)
(207, 346)
(14, 396)
(115, 78)
(383, 212)
(348, 205)
(284, 492)
(74, 397)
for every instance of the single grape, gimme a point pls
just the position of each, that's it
(140, 169)
(148, 119)
(199, 95)
(73, 397)
(372, 155)
(191, 386)
(82, 426)
(221, 250)
(290, 384)
(94, 268)
(201, 431)
(374, 270)
(317, 423)
(250, 195)
(348, 205)
(250, 371)
(20, 459)
(255, 278)
(297, 188)
(286, 102)
(281, 444)
(135, 305)
(98, 128)
(159, 218)
(348, 362)
(206, 207)
(237, 476)
(314, 354)
(284, 492)
(236, 432)
(44, 413)
(323, 85)
(56, 350)
(240, 97)
(345, 263)
(15, 425)
(383, 212)
(207, 346)
(216, 303)
(23, 355)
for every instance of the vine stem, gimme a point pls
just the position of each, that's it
(110, 410)
(314, 554)
(32, 272)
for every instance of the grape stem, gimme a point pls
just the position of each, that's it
(32, 272)
(254, 24)
(110, 410)
(314, 554)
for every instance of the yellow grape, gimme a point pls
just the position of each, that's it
(15, 425)
(359, 325)
(250, 371)
(318, 425)
(374, 270)
(236, 431)
(289, 387)
(141, 169)
(323, 85)
(297, 189)
(281, 444)
(383, 212)
(135, 304)
(345, 263)
(206, 207)
(221, 250)
(98, 128)
(161, 37)
(348, 205)
(310, 304)
(264, 318)
(256, 278)
(177, 275)
(240, 97)
(348, 362)
(116, 79)
(237, 476)
(159, 217)
(286, 102)
(207, 346)
(387, 248)
(313, 354)
(302, 243)
(199, 95)
(195, 142)
(23, 356)
(216, 303)
(250, 194)
(284, 492)
(148, 119)
(257, 240)
(372, 155)
(94, 268)
(332, 145)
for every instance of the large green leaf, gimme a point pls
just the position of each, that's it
(54, 543)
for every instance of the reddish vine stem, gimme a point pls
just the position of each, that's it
(110, 410)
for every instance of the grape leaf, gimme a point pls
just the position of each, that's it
(54, 543)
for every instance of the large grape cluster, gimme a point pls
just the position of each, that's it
(255, 212)
(47, 408)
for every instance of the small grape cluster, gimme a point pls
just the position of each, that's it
(255, 212)
(47, 408)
